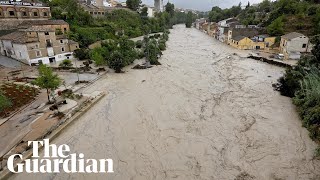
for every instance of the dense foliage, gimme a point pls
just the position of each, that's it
(303, 84)
(279, 16)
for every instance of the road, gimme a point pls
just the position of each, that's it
(206, 113)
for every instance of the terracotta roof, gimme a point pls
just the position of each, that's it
(292, 35)
(29, 23)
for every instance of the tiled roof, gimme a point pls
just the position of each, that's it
(29, 23)
(17, 37)
(238, 38)
(292, 35)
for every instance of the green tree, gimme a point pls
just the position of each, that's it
(65, 63)
(153, 52)
(170, 9)
(4, 102)
(189, 20)
(144, 12)
(276, 27)
(47, 79)
(133, 4)
(116, 61)
(81, 54)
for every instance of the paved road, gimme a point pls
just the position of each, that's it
(8, 62)
(204, 114)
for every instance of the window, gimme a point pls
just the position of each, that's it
(65, 29)
(46, 33)
(62, 49)
(38, 53)
(45, 14)
(304, 45)
(61, 41)
(24, 13)
(11, 13)
(35, 13)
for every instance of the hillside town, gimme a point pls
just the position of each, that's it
(251, 37)
(163, 89)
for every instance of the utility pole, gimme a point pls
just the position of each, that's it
(75, 62)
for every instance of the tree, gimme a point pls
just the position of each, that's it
(134, 4)
(47, 80)
(189, 20)
(81, 54)
(248, 5)
(276, 27)
(170, 9)
(65, 63)
(4, 102)
(144, 12)
(153, 52)
(116, 61)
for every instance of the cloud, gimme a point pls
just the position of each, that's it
(203, 5)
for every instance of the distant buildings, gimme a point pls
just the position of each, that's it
(293, 44)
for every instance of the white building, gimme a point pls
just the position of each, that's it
(293, 44)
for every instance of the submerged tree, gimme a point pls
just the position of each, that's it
(47, 79)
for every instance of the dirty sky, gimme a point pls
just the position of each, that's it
(203, 5)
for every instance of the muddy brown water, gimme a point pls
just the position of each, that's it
(201, 115)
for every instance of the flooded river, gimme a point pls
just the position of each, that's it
(204, 114)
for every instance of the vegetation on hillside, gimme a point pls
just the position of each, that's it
(279, 17)
(303, 84)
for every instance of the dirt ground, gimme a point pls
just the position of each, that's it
(204, 114)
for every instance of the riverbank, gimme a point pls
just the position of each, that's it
(204, 114)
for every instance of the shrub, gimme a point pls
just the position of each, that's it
(139, 44)
(65, 63)
(162, 46)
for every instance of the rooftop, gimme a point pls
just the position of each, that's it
(29, 23)
(292, 35)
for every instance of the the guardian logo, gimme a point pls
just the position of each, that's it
(55, 157)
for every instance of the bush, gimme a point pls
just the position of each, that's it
(162, 46)
(65, 63)
(82, 53)
(139, 44)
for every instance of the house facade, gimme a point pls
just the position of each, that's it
(37, 45)
(293, 44)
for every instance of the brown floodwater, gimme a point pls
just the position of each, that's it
(206, 113)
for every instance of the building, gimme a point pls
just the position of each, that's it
(259, 42)
(60, 26)
(293, 44)
(23, 10)
(14, 13)
(36, 45)
(223, 28)
(239, 30)
(158, 5)
(241, 42)
(212, 29)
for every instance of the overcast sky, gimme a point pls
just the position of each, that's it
(203, 5)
